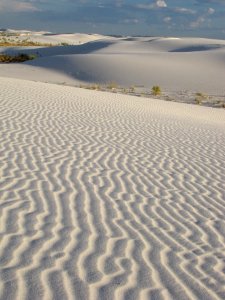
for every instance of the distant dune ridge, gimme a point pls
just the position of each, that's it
(107, 196)
(174, 63)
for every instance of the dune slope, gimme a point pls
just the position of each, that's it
(107, 196)
(175, 64)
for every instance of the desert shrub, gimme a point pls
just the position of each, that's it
(32, 56)
(156, 90)
(112, 85)
(94, 87)
(199, 97)
(221, 103)
(198, 101)
(6, 58)
(132, 89)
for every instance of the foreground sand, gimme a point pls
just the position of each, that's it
(107, 196)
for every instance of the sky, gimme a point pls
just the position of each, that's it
(202, 18)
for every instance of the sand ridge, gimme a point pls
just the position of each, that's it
(107, 196)
(182, 64)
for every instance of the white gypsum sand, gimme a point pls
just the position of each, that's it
(108, 196)
(48, 37)
(176, 65)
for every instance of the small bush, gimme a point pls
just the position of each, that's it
(156, 90)
(132, 89)
(112, 85)
(199, 97)
(64, 44)
(198, 101)
(95, 87)
(32, 56)
(5, 58)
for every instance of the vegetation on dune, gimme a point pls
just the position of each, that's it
(190, 97)
(112, 85)
(95, 87)
(156, 90)
(132, 89)
(24, 43)
(64, 44)
(8, 40)
(6, 58)
(199, 97)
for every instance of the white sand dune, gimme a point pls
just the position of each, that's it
(71, 39)
(108, 196)
(175, 64)
(51, 38)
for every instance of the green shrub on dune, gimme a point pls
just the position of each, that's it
(156, 90)
(6, 58)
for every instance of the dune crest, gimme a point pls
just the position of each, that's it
(176, 64)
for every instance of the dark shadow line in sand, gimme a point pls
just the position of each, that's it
(198, 48)
(86, 48)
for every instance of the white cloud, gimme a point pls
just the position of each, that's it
(16, 6)
(197, 23)
(157, 4)
(167, 19)
(211, 11)
(202, 19)
(185, 10)
(161, 3)
(131, 21)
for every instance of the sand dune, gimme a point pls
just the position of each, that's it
(71, 39)
(51, 38)
(107, 196)
(175, 64)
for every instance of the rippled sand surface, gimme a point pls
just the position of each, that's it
(108, 196)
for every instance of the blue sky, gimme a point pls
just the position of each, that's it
(145, 17)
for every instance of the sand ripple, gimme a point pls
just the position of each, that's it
(107, 196)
